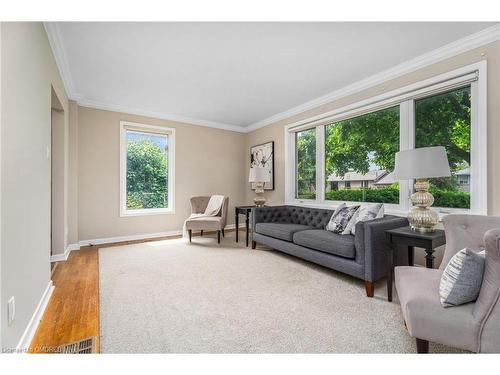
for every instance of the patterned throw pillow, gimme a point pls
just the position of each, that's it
(340, 220)
(462, 278)
(339, 207)
(367, 212)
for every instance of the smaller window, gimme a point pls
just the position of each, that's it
(146, 170)
(347, 185)
(305, 165)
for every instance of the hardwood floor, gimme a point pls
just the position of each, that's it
(72, 313)
(73, 310)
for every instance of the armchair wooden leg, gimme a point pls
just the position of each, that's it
(370, 288)
(422, 346)
(201, 233)
(223, 234)
(190, 234)
(254, 244)
(218, 236)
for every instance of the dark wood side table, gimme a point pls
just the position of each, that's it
(242, 210)
(410, 238)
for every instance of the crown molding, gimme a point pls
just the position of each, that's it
(488, 35)
(83, 102)
(55, 41)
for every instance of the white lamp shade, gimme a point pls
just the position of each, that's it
(258, 174)
(424, 162)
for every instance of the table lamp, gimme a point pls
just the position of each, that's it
(259, 176)
(421, 164)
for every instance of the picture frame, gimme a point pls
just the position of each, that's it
(262, 155)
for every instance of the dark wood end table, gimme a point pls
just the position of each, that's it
(242, 210)
(410, 238)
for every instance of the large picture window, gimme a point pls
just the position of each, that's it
(445, 120)
(359, 158)
(146, 169)
(348, 155)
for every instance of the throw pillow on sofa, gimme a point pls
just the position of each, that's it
(339, 220)
(330, 226)
(462, 278)
(367, 212)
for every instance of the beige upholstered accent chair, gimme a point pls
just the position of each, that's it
(211, 223)
(474, 326)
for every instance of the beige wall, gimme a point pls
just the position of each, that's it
(28, 72)
(207, 161)
(275, 132)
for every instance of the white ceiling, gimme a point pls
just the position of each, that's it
(232, 73)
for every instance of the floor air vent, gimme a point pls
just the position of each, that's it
(85, 346)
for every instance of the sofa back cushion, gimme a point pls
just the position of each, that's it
(313, 217)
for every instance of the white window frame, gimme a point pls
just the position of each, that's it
(473, 74)
(148, 129)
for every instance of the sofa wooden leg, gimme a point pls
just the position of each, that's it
(370, 288)
(422, 346)
(223, 234)
(218, 236)
(254, 244)
(190, 234)
(201, 233)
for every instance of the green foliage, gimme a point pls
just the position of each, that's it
(350, 143)
(386, 195)
(306, 163)
(444, 120)
(146, 175)
(442, 198)
(447, 198)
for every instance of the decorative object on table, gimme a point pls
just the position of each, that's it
(208, 213)
(339, 223)
(421, 164)
(367, 212)
(263, 156)
(259, 176)
(242, 210)
(462, 278)
(409, 239)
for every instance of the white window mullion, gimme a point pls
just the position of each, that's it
(479, 144)
(406, 142)
(320, 163)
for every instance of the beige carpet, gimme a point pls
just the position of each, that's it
(175, 297)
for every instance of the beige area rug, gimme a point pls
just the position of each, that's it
(175, 297)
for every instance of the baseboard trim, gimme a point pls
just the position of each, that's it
(144, 236)
(63, 257)
(29, 332)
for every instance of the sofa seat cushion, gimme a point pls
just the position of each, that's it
(327, 242)
(280, 230)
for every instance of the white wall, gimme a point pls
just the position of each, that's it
(28, 71)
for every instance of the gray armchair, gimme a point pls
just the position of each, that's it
(209, 223)
(474, 326)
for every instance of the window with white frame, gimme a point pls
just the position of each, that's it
(146, 169)
(348, 155)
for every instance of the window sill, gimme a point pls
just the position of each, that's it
(389, 208)
(148, 212)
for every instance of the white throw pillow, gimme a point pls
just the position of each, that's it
(367, 212)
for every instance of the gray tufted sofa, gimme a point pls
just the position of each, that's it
(300, 231)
